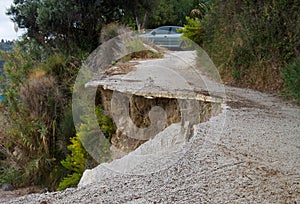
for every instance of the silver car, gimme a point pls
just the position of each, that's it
(166, 36)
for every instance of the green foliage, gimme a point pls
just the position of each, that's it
(291, 78)
(75, 163)
(66, 25)
(200, 8)
(151, 14)
(169, 12)
(10, 175)
(251, 41)
(79, 159)
(98, 145)
(193, 30)
(70, 181)
(105, 122)
(37, 92)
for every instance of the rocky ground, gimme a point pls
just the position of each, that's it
(248, 154)
(7, 195)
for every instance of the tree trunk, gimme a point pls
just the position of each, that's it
(144, 25)
(138, 24)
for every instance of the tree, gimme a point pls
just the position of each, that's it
(64, 24)
(72, 24)
(151, 14)
(40, 76)
(138, 11)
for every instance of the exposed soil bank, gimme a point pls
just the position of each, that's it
(138, 109)
(147, 96)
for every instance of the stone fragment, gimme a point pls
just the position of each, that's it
(7, 187)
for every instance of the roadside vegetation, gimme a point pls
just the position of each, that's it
(254, 44)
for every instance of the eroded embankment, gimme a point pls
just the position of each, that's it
(132, 115)
(147, 96)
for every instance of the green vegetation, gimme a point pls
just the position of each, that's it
(250, 42)
(9, 175)
(291, 78)
(5, 46)
(35, 97)
(253, 41)
(79, 159)
(75, 163)
(193, 31)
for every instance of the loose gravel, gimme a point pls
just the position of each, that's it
(248, 154)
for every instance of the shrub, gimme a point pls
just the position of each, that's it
(291, 78)
(10, 175)
(193, 30)
(112, 30)
(80, 159)
(69, 181)
(37, 93)
(74, 163)
(250, 41)
(105, 123)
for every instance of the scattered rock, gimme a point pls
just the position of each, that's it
(7, 187)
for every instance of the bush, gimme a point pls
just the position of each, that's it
(105, 122)
(291, 78)
(37, 94)
(75, 163)
(193, 30)
(10, 175)
(34, 104)
(80, 159)
(69, 181)
(250, 41)
(112, 30)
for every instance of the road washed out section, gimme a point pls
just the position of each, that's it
(158, 100)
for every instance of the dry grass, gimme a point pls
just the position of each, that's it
(42, 95)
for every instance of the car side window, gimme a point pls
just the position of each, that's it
(174, 30)
(161, 31)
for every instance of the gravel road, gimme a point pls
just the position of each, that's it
(248, 154)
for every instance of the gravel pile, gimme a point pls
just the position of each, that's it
(248, 154)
